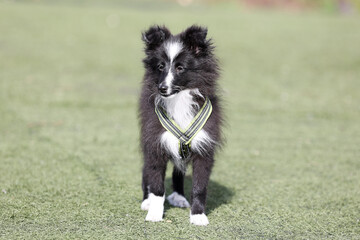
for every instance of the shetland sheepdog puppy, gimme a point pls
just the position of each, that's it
(181, 74)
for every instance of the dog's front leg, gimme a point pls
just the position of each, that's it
(153, 178)
(177, 198)
(201, 172)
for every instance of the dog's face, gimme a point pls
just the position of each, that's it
(176, 63)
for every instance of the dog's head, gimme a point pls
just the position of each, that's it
(178, 62)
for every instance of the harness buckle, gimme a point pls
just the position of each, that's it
(184, 151)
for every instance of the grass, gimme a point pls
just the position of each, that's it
(70, 166)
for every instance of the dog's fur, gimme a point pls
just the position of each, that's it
(180, 72)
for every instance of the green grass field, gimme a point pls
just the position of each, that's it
(70, 165)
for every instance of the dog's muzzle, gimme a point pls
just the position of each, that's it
(163, 89)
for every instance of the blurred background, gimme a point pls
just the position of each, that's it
(70, 77)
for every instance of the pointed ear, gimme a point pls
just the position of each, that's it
(195, 39)
(154, 36)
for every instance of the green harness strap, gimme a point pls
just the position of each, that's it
(185, 136)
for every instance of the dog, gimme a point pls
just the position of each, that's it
(181, 73)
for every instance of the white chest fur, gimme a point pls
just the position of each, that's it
(180, 107)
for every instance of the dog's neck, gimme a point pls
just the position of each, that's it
(182, 107)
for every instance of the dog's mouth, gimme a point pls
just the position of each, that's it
(169, 95)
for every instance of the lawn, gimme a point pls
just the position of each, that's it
(70, 165)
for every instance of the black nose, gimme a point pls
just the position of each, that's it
(163, 88)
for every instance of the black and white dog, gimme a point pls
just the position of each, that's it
(181, 72)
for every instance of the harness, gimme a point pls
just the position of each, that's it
(185, 136)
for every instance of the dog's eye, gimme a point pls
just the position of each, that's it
(161, 67)
(180, 69)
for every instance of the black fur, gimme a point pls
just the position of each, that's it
(200, 71)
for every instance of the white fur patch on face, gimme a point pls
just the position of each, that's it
(156, 208)
(168, 81)
(178, 200)
(173, 49)
(199, 219)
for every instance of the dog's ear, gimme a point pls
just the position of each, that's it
(154, 36)
(195, 39)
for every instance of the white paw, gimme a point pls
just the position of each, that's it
(178, 200)
(156, 208)
(145, 204)
(154, 216)
(199, 219)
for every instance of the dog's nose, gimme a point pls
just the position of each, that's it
(163, 89)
